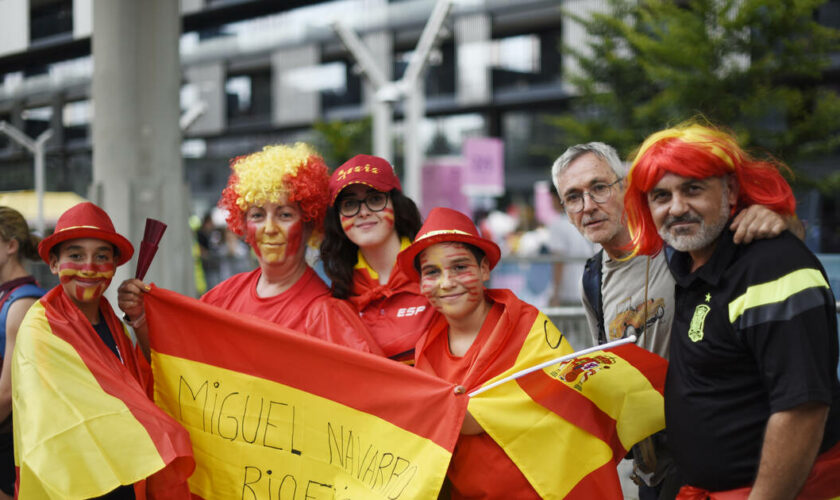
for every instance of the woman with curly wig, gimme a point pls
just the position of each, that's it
(367, 224)
(276, 198)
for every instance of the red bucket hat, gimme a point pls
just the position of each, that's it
(445, 224)
(86, 220)
(369, 170)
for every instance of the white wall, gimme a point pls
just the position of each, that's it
(14, 26)
(82, 18)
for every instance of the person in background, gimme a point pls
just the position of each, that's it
(369, 221)
(752, 400)
(566, 243)
(18, 292)
(85, 424)
(276, 198)
(208, 242)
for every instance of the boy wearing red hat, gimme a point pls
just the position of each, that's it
(85, 425)
(478, 335)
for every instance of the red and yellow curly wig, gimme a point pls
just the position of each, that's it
(698, 151)
(297, 173)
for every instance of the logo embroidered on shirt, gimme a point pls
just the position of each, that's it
(410, 311)
(695, 329)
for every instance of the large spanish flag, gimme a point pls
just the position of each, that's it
(84, 422)
(567, 434)
(276, 414)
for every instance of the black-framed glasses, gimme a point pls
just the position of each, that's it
(374, 201)
(600, 192)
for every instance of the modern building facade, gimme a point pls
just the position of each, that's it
(256, 72)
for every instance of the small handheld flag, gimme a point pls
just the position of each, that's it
(149, 246)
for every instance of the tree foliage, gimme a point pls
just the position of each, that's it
(758, 67)
(339, 141)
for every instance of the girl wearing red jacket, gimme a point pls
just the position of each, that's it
(367, 224)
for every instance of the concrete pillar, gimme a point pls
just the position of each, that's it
(415, 110)
(137, 168)
(576, 37)
(57, 102)
(296, 102)
(14, 27)
(472, 42)
(381, 47)
(209, 81)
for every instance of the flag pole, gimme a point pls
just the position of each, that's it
(567, 357)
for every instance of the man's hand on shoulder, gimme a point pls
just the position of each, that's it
(758, 222)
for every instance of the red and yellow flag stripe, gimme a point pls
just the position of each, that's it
(615, 395)
(566, 426)
(84, 422)
(272, 412)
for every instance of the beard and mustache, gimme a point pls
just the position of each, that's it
(686, 240)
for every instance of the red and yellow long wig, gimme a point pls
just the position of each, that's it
(296, 172)
(698, 151)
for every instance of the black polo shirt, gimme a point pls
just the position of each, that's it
(754, 333)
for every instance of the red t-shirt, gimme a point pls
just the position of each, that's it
(395, 313)
(306, 307)
(480, 468)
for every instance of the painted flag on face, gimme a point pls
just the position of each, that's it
(273, 413)
(84, 420)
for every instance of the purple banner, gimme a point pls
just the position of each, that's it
(485, 172)
(442, 181)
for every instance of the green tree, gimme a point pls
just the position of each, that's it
(757, 67)
(339, 141)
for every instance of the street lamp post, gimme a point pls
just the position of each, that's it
(410, 88)
(37, 148)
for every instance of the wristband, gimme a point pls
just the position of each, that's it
(140, 322)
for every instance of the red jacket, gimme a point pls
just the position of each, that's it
(395, 313)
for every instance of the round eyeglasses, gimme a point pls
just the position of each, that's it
(600, 192)
(375, 202)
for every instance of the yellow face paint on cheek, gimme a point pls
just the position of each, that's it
(85, 282)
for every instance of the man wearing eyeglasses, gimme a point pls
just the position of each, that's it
(633, 296)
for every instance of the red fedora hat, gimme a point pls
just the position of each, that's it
(86, 220)
(369, 170)
(445, 224)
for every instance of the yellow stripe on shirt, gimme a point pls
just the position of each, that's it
(777, 290)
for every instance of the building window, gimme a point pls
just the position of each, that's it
(248, 97)
(36, 120)
(76, 117)
(50, 18)
(530, 145)
(339, 86)
(527, 60)
(4, 139)
(440, 75)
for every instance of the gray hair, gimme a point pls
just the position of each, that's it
(599, 149)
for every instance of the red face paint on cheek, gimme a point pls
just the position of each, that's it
(86, 282)
(251, 237)
(295, 236)
(346, 223)
(427, 283)
(469, 278)
(388, 216)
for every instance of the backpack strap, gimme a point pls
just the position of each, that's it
(592, 278)
(23, 291)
